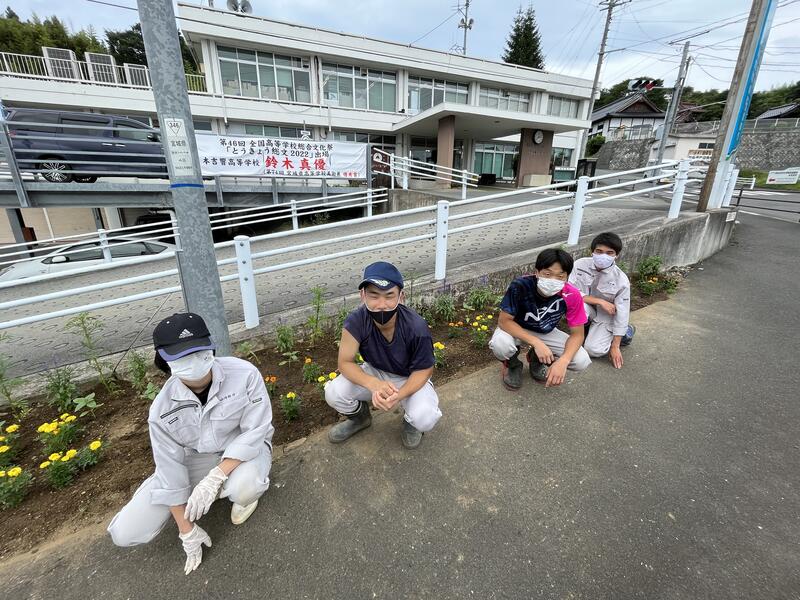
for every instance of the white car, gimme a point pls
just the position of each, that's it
(80, 254)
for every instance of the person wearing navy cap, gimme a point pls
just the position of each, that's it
(397, 348)
(211, 435)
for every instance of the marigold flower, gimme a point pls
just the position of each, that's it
(95, 445)
(70, 419)
(475, 324)
(291, 395)
(488, 316)
(15, 472)
(65, 458)
(64, 416)
(2, 438)
(460, 323)
(321, 379)
(332, 375)
(439, 346)
(308, 360)
(70, 453)
(479, 318)
(273, 379)
(451, 324)
(484, 328)
(12, 428)
(45, 464)
(54, 456)
(2, 473)
(4, 449)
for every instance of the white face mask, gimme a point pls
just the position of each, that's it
(602, 261)
(549, 287)
(192, 367)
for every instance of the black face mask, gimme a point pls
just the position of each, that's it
(382, 317)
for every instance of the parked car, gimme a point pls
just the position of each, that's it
(42, 142)
(80, 254)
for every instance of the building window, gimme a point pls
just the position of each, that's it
(499, 159)
(558, 106)
(561, 157)
(268, 130)
(424, 93)
(376, 139)
(264, 75)
(356, 87)
(504, 99)
(706, 146)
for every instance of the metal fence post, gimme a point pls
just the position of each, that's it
(295, 224)
(7, 149)
(274, 185)
(404, 180)
(678, 188)
(218, 190)
(247, 282)
(391, 170)
(369, 202)
(577, 210)
(101, 233)
(726, 200)
(442, 213)
(463, 185)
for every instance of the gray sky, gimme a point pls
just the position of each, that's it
(570, 30)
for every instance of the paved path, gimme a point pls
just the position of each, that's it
(40, 346)
(674, 478)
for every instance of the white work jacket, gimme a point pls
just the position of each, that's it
(611, 285)
(235, 421)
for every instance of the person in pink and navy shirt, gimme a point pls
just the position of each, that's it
(530, 313)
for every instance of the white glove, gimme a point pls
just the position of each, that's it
(204, 494)
(193, 546)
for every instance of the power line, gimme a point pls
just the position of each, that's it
(435, 28)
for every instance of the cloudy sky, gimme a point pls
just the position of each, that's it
(570, 30)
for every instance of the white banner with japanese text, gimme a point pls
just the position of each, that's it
(280, 157)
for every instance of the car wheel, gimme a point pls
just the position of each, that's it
(85, 179)
(55, 170)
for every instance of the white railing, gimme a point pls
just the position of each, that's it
(403, 169)
(751, 125)
(59, 69)
(435, 223)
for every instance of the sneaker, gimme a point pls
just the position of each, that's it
(628, 337)
(240, 514)
(537, 369)
(361, 419)
(411, 436)
(512, 372)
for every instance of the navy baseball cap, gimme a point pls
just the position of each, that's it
(382, 275)
(180, 335)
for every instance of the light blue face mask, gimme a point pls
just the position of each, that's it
(602, 261)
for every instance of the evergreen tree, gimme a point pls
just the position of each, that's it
(524, 45)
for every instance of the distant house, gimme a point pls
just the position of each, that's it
(633, 117)
(786, 111)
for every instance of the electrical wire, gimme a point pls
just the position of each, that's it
(435, 28)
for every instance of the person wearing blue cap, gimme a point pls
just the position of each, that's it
(397, 348)
(211, 435)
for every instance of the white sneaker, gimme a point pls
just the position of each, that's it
(240, 514)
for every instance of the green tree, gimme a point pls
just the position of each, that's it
(712, 101)
(782, 94)
(127, 45)
(28, 37)
(524, 45)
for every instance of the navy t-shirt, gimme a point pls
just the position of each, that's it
(539, 313)
(411, 348)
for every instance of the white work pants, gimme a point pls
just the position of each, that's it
(504, 345)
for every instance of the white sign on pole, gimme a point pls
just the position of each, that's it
(174, 130)
(280, 157)
(787, 176)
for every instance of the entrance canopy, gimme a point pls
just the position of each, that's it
(483, 123)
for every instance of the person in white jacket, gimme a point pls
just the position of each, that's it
(211, 435)
(606, 293)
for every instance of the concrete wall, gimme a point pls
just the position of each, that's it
(405, 199)
(624, 154)
(769, 150)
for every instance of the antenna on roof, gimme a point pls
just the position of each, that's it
(240, 6)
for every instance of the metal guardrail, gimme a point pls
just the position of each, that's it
(437, 227)
(405, 168)
(751, 125)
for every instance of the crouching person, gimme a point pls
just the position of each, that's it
(397, 348)
(606, 293)
(530, 312)
(211, 434)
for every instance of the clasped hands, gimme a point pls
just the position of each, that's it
(385, 395)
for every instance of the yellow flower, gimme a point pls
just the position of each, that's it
(55, 431)
(4, 449)
(484, 328)
(12, 428)
(2, 438)
(451, 324)
(460, 323)
(45, 464)
(64, 416)
(2, 473)
(95, 445)
(70, 453)
(15, 472)
(475, 324)
(308, 360)
(54, 456)
(65, 458)
(439, 346)
(70, 419)
(479, 317)
(489, 317)
(332, 375)
(321, 379)
(273, 379)
(291, 395)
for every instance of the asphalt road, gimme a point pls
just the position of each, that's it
(673, 478)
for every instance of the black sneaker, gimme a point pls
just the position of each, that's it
(512, 372)
(628, 337)
(537, 369)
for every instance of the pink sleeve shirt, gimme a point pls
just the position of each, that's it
(576, 314)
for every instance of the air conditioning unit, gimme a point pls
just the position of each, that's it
(102, 67)
(363, 72)
(137, 75)
(61, 63)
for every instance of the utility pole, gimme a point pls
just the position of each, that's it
(674, 102)
(197, 263)
(610, 5)
(738, 103)
(465, 24)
